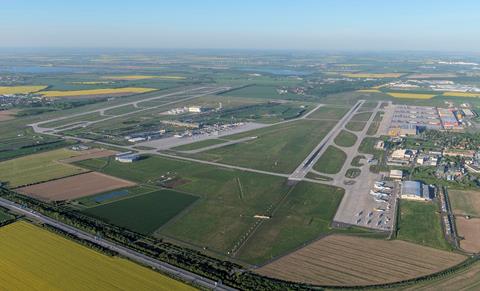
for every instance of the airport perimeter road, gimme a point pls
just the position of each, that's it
(123, 251)
(195, 92)
(305, 167)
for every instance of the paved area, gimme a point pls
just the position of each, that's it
(307, 165)
(171, 142)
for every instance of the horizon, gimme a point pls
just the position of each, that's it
(370, 25)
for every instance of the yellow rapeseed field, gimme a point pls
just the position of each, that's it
(412, 95)
(127, 90)
(373, 75)
(142, 77)
(20, 89)
(461, 94)
(32, 258)
(368, 91)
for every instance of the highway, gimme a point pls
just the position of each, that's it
(123, 251)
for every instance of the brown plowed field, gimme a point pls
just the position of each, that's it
(90, 154)
(7, 114)
(348, 261)
(469, 229)
(75, 187)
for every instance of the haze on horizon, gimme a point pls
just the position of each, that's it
(438, 25)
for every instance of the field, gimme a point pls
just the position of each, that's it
(331, 162)
(93, 92)
(411, 95)
(329, 112)
(142, 77)
(280, 148)
(228, 198)
(465, 202)
(461, 94)
(199, 144)
(144, 213)
(90, 154)
(364, 116)
(74, 187)
(305, 215)
(355, 125)
(260, 92)
(354, 261)
(38, 168)
(372, 130)
(373, 75)
(20, 89)
(7, 114)
(420, 223)
(34, 259)
(466, 279)
(345, 139)
(469, 229)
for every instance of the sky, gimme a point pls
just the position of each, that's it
(433, 25)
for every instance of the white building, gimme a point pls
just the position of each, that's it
(396, 174)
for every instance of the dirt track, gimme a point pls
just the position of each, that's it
(75, 187)
(347, 260)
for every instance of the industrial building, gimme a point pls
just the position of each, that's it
(410, 120)
(396, 174)
(127, 157)
(448, 119)
(414, 190)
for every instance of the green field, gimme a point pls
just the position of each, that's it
(37, 168)
(303, 216)
(331, 162)
(279, 148)
(199, 144)
(373, 128)
(345, 139)
(329, 112)
(357, 161)
(420, 223)
(144, 213)
(364, 116)
(229, 198)
(353, 173)
(355, 125)
(260, 92)
(465, 202)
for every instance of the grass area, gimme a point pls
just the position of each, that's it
(331, 162)
(114, 195)
(465, 202)
(356, 162)
(199, 144)
(126, 90)
(373, 128)
(38, 168)
(20, 89)
(32, 258)
(329, 112)
(345, 139)
(260, 92)
(304, 215)
(121, 110)
(363, 116)
(355, 125)
(228, 198)
(352, 173)
(86, 117)
(144, 213)
(280, 148)
(420, 222)
(142, 77)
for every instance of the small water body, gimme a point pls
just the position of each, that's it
(111, 195)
